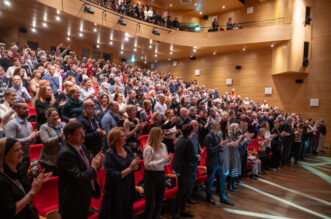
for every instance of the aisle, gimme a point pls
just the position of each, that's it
(302, 191)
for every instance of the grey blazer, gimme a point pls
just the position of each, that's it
(51, 147)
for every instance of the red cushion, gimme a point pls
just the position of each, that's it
(170, 193)
(102, 178)
(33, 124)
(139, 206)
(32, 111)
(143, 140)
(203, 157)
(47, 198)
(35, 150)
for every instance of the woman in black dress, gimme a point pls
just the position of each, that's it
(119, 190)
(15, 187)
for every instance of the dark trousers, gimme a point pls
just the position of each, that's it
(24, 165)
(184, 184)
(49, 168)
(212, 172)
(276, 155)
(243, 159)
(154, 184)
(264, 161)
(287, 152)
(297, 148)
(170, 145)
(194, 177)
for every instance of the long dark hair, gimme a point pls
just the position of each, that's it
(224, 128)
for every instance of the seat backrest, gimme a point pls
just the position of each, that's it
(168, 169)
(143, 140)
(203, 157)
(139, 174)
(35, 150)
(47, 196)
(33, 124)
(102, 176)
(32, 111)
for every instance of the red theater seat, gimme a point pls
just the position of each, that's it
(32, 111)
(139, 206)
(46, 199)
(170, 193)
(143, 140)
(33, 124)
(35, 150)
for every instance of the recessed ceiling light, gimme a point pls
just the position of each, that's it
(145, 62)
(33, 30)
(58, 11)
(44, 24)
(200, 12)
(169, 59)
(80, 34)
(214, 53)
(126, 39)
(57, 18)
(150, 46)
(94, 29)
(170, 5)
(272, 45)
(223, 7)
(244, 49)
(155, 55)
(126, 35)
(98, 46)
(111, 43)
(155, 61)
(196, 4)
(194, 50)
(135, 49)
(122, 52)
(170, 53)
(7, 3)
(68, 38)
(141, 57)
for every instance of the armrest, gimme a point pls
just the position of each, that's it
(173, 176)
(202, 168)
(139, 189)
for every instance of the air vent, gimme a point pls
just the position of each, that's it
(185, 1)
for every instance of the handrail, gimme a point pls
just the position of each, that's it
(87, 2)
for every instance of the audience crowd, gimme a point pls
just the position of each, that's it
(91, 113)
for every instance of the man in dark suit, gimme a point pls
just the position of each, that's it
(288, 138)
(77, 182)
(214, 163)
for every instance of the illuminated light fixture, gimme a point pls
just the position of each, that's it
(121, 51)
(171, 47)
(81, 27)
(80, 34)
(34, 22)
(7, 3)
(58, 11)
(155, 32)
(170, 52)
(122, 46)
(126, 35)
(272, 45)
(97, 46)
(244, 49)
(111, 35)
(141, 57)
(223, 7)
(45, 16)
(200, 12)
(170, 5)
(135, 49)
(150, 41)
(111, 43)
(194, 50)
(126, 39)
(33, 30)
(155, 61)
(145, 62)
(155, 55)
(68, 33)
(196, 4)
(68, 38)
(197, 28)
(150, 46)
(95, 24)
(94, 29)
(121, 21)
(169, 59)
(214, 53)
(57, 18)
(44, 24)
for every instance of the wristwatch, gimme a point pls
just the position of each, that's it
(30, 195)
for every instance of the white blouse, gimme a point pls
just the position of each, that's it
(154, 160)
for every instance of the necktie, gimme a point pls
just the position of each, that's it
(87, 163)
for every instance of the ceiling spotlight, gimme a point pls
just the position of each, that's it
(121, 21)
(155, 32)
(121, 51)
(150, 46)
(58, 11)
(126, 39)
(145, 62)
(141, 57)
(7, 3)
(111, 43)
(80, 34)
(170, 52)
(88, 10)
(200, 12)
(33, 30)
(196, 4)
(223, 7)
(170, 5)
(214, 53)
(194, 50)
(272, 45)
(135, 49)
(244, 49)
(97, 46)
(68, 38)
(155, 55)
(94, 29)
(169, 59)
(155, 61)
(44, 24)
(57, 18)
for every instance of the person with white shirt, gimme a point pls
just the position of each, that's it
(156, 158)
(160, 106)
(265, 105)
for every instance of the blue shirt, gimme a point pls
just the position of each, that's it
(22, 93)
(54, 82)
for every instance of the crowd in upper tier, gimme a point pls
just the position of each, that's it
(97, 110)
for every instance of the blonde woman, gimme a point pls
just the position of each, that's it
(156, 157)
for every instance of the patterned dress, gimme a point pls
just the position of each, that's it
(235, 164)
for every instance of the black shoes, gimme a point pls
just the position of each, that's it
(186, 214)
(191, 201)
(211, 200)
(227, 202)
(253, 176)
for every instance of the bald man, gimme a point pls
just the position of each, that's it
(94, 133)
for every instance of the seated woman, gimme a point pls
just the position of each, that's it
(86, 90)
(44, 101)
(73, 107)
(51, 137)
(119, 164)
(102, 108)
(15, 187)
(34, 84)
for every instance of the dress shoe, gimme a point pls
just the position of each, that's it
(253, 176)
(186, 214)
(262, 173)
(191, 201)
(257, 176)
(211, 201)
(227, 202)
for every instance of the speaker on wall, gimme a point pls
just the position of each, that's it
(299, 81)
(123, 59)
(305, 54)
(22, 30)
(192, 57)
(238, 67)
(205, 17)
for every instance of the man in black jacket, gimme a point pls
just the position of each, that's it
(288, 138)
(77, 182)
(214, 163)
(94, 133)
